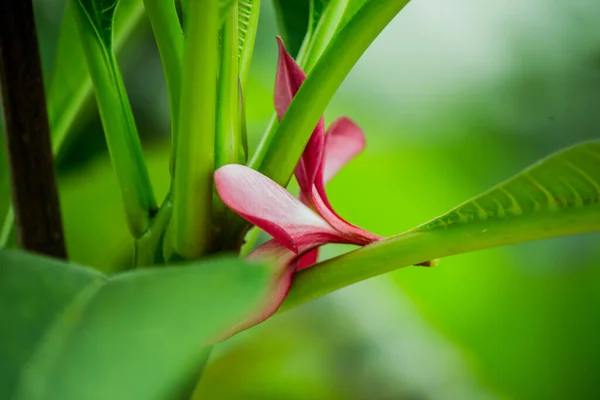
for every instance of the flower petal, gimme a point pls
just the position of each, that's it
(343, 141)
(307, 259)
(287, 83)
(267, 205)
(288, 80)
(351, 233)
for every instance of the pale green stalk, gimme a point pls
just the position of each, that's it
(417, 246)
(228, 142)
(194, 148)
(169, 38)
(119, 126)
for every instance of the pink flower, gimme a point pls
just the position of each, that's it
(298, 226)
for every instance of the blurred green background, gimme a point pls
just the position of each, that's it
(454, 97)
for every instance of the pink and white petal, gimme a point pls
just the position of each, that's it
(344, 140)
(307, 259)
(269, 206)
(287, 83)
(349, 233)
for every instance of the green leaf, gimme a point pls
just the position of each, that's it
(94, 20)
(70, 84)
(558, 196)
(72, 333)
(33, 293)
(328, 17)
(309, 26)
(248, 13)
(293, 19)
(169, 39)
(100, 14)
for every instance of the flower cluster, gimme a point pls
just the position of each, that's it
(299, 226)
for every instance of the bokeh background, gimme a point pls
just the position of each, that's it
(454, 97)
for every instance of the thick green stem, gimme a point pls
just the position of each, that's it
(194, 148)
(169, 38)
(416, 246)
(283, 148)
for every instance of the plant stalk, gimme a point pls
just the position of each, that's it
(33, 176)
(194, 148)
(169, 39)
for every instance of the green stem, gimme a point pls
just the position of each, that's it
(169, 38)
(283, 148)
(416, 246)
(249, 12)
(147, 246)
(194, 149)
(228, 144)
(119, 128)
(323, 34)
(6, 230)
(70, 84)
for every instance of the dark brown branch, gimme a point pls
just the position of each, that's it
(33, 178)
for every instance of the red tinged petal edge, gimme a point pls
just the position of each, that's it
(287, 83)
(344, 140)
(307, 259)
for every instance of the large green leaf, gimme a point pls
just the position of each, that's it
(33, 293)
(558, 196)
(72, 333)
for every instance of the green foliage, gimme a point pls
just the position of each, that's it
(311, 33)
(94, 20)
(169, 39)
(70, 83)
(100, 14)
(248, 14)
(558, 196)
(194, 146)
(562, 183)
(293, 18)
(72, 333)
